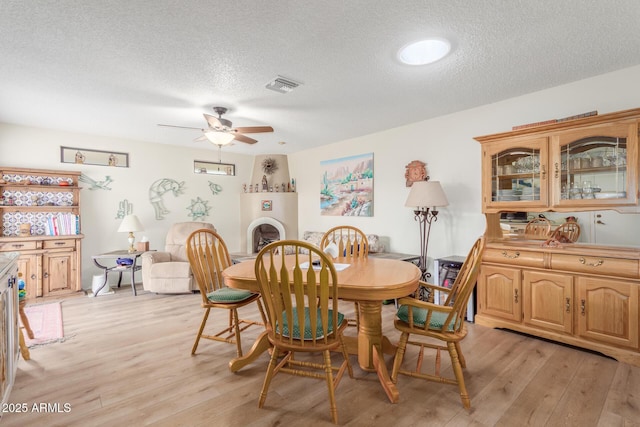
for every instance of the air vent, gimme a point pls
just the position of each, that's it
(282, 85)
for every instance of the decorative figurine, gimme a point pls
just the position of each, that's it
(79, 157)
(415, 171)
(244, 188)
(265, 187)
(256, 188)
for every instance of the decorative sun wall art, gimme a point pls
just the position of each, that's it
(346, 186)
(198, 209)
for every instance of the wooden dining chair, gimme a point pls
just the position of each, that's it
(569, 232)
(351, 243)
(208, 256)
(302, 314)
(444, 323)
(537, 228)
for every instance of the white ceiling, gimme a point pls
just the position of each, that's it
(120, 67)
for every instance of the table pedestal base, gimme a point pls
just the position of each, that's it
(261, 345)
(372, 346)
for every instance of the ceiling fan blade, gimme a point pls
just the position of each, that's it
(213, 121)
(201, 138)
(254, 129)
(242, 138)
(181, 127)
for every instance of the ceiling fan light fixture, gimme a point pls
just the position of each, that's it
(424, 51)
(219, 138)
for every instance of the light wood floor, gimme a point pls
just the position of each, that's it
(126, 361)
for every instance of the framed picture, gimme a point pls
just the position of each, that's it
(87, 156)
(212, 168)
(266, 205)
(346, 186)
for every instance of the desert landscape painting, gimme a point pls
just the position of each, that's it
(346, 187)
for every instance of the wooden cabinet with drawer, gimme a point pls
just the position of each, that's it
(39, 215)
(587, 296)
(52, 268)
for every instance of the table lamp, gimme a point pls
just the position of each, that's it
(130, 224)
(424, 197)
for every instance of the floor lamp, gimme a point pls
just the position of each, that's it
(424, 197)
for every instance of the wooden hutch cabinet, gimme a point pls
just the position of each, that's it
(40, 215)
(581, 294)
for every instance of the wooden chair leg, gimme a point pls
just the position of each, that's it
(204, 322)
(397, 361)
(332, 393)
(25, 319)
(269, 376)
(345, 354)
(236, 323)
(457, 370)
(24, 350)
(463, 362)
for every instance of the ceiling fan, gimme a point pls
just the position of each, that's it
(221, 131)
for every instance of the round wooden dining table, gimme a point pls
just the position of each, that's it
(369, 281)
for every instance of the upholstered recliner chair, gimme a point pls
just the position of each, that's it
(168, 271)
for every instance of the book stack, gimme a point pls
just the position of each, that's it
(62, 224)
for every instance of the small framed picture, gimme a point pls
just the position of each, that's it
(266, 205)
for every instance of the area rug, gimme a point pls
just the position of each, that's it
(46, 323)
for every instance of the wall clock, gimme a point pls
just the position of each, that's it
(415, 171)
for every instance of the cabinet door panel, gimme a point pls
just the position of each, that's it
(548, 300)
(29, 266)
(608, 311)
(594, 166)
(499, 292)
(515, 174)
(59, 272)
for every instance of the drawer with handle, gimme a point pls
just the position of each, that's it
(18, 246)
(55, 244)
(596, 265)
(514, 256)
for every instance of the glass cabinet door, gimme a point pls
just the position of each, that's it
(591, 168)
(516, 174)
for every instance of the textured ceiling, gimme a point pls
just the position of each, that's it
(120, 67)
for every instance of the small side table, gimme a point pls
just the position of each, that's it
(102, 259)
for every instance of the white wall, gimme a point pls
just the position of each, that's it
(40, 148)
(446, 144)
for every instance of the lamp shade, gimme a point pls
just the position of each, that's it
(219, 138)
(130, 223)
(426, 194)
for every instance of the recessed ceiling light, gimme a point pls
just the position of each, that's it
(424, 51)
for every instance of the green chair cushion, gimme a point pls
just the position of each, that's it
(420, 317)
(308, 334)
(228, 295)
